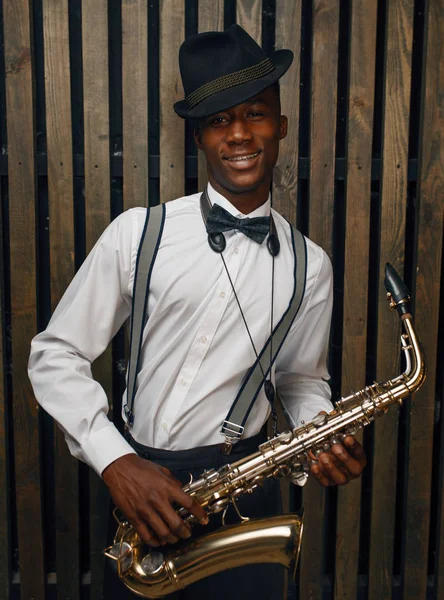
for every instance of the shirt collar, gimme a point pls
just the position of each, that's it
(216, 198)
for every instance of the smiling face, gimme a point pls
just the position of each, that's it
(241, 145)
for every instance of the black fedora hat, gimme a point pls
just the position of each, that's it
(220, 69)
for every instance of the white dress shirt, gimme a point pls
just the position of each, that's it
(195, 349)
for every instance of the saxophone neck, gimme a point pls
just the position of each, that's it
(415, 372)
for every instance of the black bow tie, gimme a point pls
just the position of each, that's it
(220, 220)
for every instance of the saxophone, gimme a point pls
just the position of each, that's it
(153, 574)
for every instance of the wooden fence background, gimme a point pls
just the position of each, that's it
(87, 130)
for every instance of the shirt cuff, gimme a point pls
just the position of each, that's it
(104, 447)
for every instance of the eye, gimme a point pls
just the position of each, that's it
(218, 120)
(255, 113)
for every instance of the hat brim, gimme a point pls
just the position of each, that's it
(281, 59)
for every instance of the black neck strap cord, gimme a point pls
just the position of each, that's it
(218, 244)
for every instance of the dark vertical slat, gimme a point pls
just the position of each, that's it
(428, 281)
(172, 130)
(97, 217)
(5, 550)
(249, 16)
(285, 178)
(439, 558)
(22, 194)
(391, 247)
(211, 18)
(135, 102)
(61, 228)
(357, 233)
(322, 164)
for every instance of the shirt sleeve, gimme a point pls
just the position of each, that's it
(93, 308)
(301, 369)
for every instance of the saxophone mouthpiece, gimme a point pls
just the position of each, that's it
(398, 293)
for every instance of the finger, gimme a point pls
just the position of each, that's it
(352, 465)
(319, 473)
(175, 523)
(160, 528)
(336, 476)
(356, 449)
(147, 535)
(191, 505)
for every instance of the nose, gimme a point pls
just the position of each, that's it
(238, 132)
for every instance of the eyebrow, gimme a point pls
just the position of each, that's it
(257, 100)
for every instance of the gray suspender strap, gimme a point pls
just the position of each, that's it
(233, 426)
(146, 255)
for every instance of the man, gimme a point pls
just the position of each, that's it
(213, 303)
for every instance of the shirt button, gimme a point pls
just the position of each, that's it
(222, 294)
(204, 340)
(165, 426)
(183, 382)
(236, 250)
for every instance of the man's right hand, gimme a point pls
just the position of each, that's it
(145, 493)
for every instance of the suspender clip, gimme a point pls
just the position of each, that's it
(232, 433)
(129, 418)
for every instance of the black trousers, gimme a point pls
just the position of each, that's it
(261, 582)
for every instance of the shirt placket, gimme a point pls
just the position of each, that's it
(205, 334)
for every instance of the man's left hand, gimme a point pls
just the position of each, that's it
(343, 463)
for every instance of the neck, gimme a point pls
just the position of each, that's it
(246, 201)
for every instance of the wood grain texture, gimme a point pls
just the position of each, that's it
(172, 130)
(323, 131)
(391, 248)
(428, 281)
(249, 16)
(61, 227)
(285, 178)
(357, 238)
(97, 217)
(5, 538)
(323, 122)
(135, 102)
(22, 194)
(211, 18)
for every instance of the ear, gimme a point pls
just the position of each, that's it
(197, 133)
(283, 127)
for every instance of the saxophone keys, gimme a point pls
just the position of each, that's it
(241, 517)
(319, 420)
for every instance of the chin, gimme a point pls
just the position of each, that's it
(242, 185)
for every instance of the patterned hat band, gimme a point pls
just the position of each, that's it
(229, 81)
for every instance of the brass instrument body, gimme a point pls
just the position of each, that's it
(275, 539)
(153, 575)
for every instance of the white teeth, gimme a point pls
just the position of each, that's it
(236, 158)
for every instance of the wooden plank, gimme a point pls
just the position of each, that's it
(428, 280)
(22, 193)
(323, 131)
(357, 238)
(211, 18)
(135, 102)
(285, 177)
(172, 129)
(61, 228)
(249, 16)
(392, 240)
(5, 537)
(97, 217)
